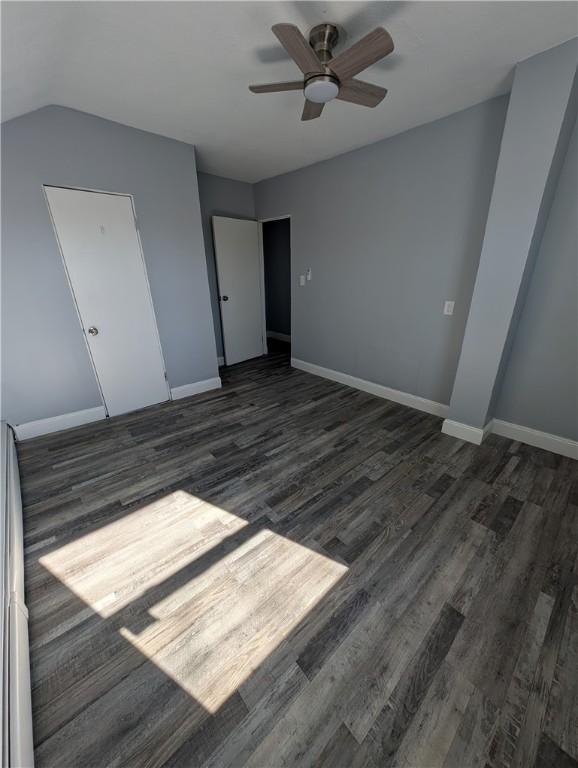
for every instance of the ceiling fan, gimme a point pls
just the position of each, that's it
(326, 78)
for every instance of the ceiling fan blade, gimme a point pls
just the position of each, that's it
(311, 110)
(294, 85)
(298, 48)
(371, 48)
(360, 92)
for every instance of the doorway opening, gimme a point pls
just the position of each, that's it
(253, 265)
(276, 244)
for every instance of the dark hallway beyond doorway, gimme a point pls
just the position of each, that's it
(277, 261)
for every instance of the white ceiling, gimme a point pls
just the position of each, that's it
(181, 69)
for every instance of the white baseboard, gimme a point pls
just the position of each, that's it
(544, 440)
(379, 390)
(78, 418)
(561, 445)
(196, 388)
(474, 435)
(548, 442)
(220, 361)
(279, 336)
(57, 423)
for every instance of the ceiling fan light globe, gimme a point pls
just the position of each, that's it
(321, 89)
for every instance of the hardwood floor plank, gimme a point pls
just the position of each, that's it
(332, 633)
(488, 645)
(390, 726)
(505, 517)
(550, 755)
(237, 747)
(535, 713)
(433, 729)
(343, 751)
(562, 709)
(513, 711)
(404, 639)
(473, 737)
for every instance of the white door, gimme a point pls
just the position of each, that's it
(240, 287)
(103, 259)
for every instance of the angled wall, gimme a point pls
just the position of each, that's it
(540, 383)
(540, 117)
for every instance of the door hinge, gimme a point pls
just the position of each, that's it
(166, 377)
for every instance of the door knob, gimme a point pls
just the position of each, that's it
(225, 298)
(93, 330)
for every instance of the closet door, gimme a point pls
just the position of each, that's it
(101, 249)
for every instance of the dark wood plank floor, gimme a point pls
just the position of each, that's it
(290, 572)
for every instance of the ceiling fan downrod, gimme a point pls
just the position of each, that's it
(323, 38)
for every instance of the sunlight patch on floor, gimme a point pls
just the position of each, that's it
(116, 564)
(206, 608)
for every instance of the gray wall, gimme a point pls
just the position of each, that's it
(221, 197)
(390, 231)
(45, 366)
(277, 263)
(540, 385)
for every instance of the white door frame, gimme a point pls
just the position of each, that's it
(158, 338)
(262, 266)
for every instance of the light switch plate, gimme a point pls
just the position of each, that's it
(449, 307)
(302, 280)
(308, 274)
